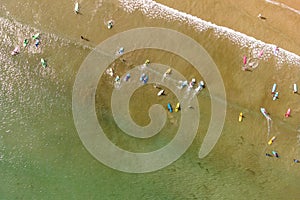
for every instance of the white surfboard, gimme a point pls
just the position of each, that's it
(76, 8)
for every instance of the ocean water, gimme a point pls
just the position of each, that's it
(42, 156)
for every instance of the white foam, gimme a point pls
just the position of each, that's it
(282, 5)
(156, 10)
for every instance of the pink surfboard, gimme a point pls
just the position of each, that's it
(261, 53)
(288, 113)
(245, 60)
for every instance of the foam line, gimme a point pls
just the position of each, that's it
(283, 6)
(156, 10)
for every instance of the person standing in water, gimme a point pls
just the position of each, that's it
(83, 38)
(261, 17)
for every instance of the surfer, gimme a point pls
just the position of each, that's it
(157, 86)
(275, 96)
(121, 51)
(295, 88)
(43, 62)
(275, 154)
(16, 51)
(261, 17)
(127, 77)
(288, 113)
(83, 38)
(245, 68)
(76, 8)
(276, 50)
(25, 42)
(110, 24)
(37, 42)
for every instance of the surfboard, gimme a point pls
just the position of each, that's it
(161, 92)
(240, 117)
(25, 42)
(271, 140)
(275, 96)
(16, 51)
(110, 24)
(295, 88)
(245, 60)
(44, 63)
(177, 108)
(264, 112)
(274, 88)
(36, 36)
(168, 71)
(170, 107)
(76, 8)
(288, 113)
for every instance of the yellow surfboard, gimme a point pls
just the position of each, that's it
(177, 108)
(240, 117)
(271, 140)
(168, 71)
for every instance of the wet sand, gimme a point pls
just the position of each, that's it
(280, 26)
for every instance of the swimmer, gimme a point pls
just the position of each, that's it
(83, 38)
(110, 24)
(275, 154)
(261, 17)
(157, 86)
(276, 50)
(37, 42)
